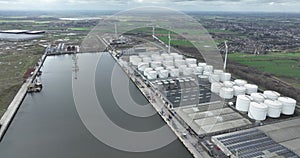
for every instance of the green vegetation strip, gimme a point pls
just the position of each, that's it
(280, 64)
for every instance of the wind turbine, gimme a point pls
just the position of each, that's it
(226, 54)
(169, 48)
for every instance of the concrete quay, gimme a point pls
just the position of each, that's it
(12, 109)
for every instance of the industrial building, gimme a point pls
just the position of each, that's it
(209, 102)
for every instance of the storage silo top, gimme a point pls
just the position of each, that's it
(274, 104)
(262, 106)
(250, 86)
(258, 95)
(272, 93)
(287, 100)
(245, 97)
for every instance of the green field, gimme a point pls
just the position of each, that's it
(180, 42)
(282, 65)
(81, 28)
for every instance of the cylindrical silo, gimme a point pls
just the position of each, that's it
(143, 66)
(258, 97)
(146, 59)
(182, 68)
(147, 70)
(226, 93)
(225, 77)
(198, 70)
(202, 64)
(151, 75)
(216, 87)
(251, 88)
(159, 68)
(272, 95)
(178, 63)
(275, 108)
(174, 72)
(168, 63)
(228, 84)
(188, 71)
(239, 90)
(289, 105)
(155, 64)
(258, 111)
(240, 82)
(163, 74)
(208, 68)
(191, 61)
(214, 78)
(243, 103)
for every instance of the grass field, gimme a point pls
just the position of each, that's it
(282, 65)
(12, 68)
(81, 28)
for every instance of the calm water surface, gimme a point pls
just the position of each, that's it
(47, 124)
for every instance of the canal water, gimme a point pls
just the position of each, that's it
(48, 125)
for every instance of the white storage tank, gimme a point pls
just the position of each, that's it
(188, 71)
(243, 103)
(157, 58)
(174, 54)
(207, 73)
(226, 93)
(239, 90)
(192, 65)
(198, 70)
(155, 64)
(275, 108)
(202, 64)
(163, 74)
(182, 68)
(178, 63)
(225, 77)
(216, 87)
(168, 63)
(159, 68)
(170, 67)
(174, 72)
(214, 78)
(151, 75)
(143, 66)
(289, 105)
(191, 61)
(272, 95)
(258, 97)
(178, 57)
(147, 59)
(209, 68)
(240, 82)
(228, 84)
(147, 70)
(169, 58)
(258, 111)
(218, 72)
(251, 88)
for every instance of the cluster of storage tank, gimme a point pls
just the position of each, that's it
(166, 65)
(269, 103)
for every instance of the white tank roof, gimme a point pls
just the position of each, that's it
(202, 64)
(226, 93)
(216, 87)
(225, 77)
(275, 108)
(273, 95)
(251, 88)
(239, 90)
(240, 82)
(243, 103)
(258, 111)
(289, 105)
(229, 84)
(258, 97)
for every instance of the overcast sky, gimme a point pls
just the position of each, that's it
(185, 5)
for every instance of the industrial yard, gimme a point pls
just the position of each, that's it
(213, 111)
